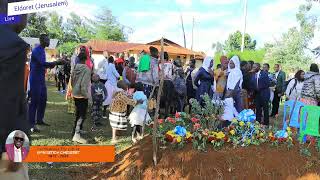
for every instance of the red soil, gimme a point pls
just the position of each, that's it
(254, 162)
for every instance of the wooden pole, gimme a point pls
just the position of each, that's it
(156, 116)
(192, 33)
(184, 34)
(244, 24)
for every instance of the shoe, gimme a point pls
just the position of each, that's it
(104, 117)
(78, 139)
(93, 128)
(134, 140)
(35, 130)
(43, 124)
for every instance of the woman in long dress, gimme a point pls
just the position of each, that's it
(234, 82)
(112, 79)
(204, 80)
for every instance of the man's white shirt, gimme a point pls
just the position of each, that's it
(17, 154)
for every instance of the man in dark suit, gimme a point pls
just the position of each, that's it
(260, 83)
(13, 57)
(281, 80)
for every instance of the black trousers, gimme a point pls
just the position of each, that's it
(61, 82)
(262, 105)
(67, 79)
(81, 105)
(275, 104)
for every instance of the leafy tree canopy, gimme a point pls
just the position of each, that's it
(233, 43)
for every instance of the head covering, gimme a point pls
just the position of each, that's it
(236, 61)
(206, 63)
(88, 61)
(235, 74)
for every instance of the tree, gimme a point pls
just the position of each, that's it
(107, 27)
(234, 42)
(67, 48)
(78, 29)
(36, 25)
(289, 51)
(55, 27)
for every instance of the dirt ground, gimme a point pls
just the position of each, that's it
(254, 162)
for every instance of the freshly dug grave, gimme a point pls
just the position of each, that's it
(254, 162)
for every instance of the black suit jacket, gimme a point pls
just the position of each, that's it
(13, 56)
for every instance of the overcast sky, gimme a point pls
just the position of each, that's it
(214, 19)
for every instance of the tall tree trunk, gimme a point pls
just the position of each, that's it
(155, 125)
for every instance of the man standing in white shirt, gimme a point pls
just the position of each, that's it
(101, 71)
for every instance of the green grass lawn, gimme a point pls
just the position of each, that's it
(59, 133)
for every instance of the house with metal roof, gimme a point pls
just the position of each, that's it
(50, 51)
(133, 49)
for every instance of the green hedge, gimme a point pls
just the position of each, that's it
(247, 55)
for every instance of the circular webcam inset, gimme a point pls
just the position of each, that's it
(17, 146)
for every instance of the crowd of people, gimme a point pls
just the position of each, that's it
(117, 85)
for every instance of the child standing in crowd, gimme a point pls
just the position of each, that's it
(80, 80)
(118, 109)
(181, 89)
(99, 94)
(139, 115)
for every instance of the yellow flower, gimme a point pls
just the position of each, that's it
(290, 138)
(288, 129)
(179, 139)
(261, 134)
(248, 141)
(241, 123)
(220, 135)
(188, 135)
(270, 134)
(234, 120)
(232, 132)
(171, 133)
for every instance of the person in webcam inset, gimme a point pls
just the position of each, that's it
(15, 151)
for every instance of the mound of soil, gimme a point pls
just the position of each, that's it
(254, 162)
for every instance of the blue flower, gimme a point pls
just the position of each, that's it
(247, 115)
(281, 134)
(181, 131)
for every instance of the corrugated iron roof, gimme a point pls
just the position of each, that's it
(119, 47)
(169, 49)
(110, 46)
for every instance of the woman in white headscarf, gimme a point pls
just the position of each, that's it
(234, 82)
(204, 80)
